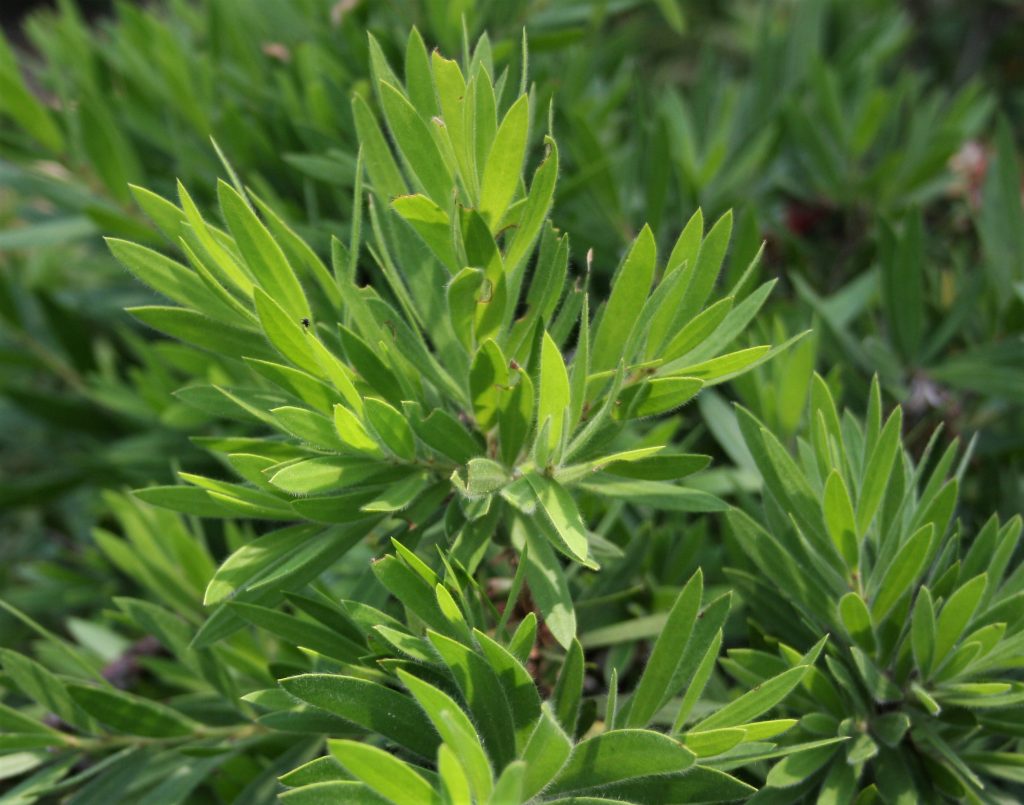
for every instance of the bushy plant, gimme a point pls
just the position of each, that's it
(857, 539)
(448, 403)
(419, 508)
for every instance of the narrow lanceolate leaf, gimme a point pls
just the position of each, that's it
(324, 474)
(464, 292)
(453, 776)
(255, 559)
(456, 730)
(285, 332)
(558, 506)
(172, 279)
(545, 754)
(265, 259)
(548, 584)
(383, 772)
(755, 702)
(392, 428)
(554, 394)
(657, 396)
(839, 519)
(369, 705)
(299, 632)
(684, 253)
(798, 767)
(922, 632)
(705, 270)
(399, 496)
(856, 619)
(567, 696)
(431, 224)
(629, 291)
(352, 433)
(485, 694)
(130, 714)
(621, 755)
(385, 177)
(535, 209)
(904, 570)
(199, 330)
(956, 615)
(654, 688)
(660, 467)
(487, 377)
(444, 433)
(23, 105)
(416, 145)
(878, 471)
(450, 85)
(504, 165)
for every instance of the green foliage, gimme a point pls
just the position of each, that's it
(470, 705)
(420, 510)
(858, 540)
(392, 401)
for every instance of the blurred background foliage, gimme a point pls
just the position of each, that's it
(872, 147)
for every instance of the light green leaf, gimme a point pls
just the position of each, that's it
(621, 755)
(418, 79)
(463, 298)
(385, 177)
(856, 619)
(545, 754)
(535, 210)
(330, 473)
(567, 696)
(839, 519)
(547, 583)
(399, 496)
(560, 509)
(352, 433)
(755, 702)
(660, 467)
(509, 787)
(554, 394)
(484, 693)
(902, 572)
(515, 418)
(456, 730)
(382, 772)
(798, 767)
(657, 396)
(262, 254)
(203, 332)
(922, 632)
(956, 614)
(629, 291)
(392, 428)
(658, 494)
(488, 376)
(878, 470)
(654, 687)
(431, 224)
(416, 145)
(286, 333)
(504, 165)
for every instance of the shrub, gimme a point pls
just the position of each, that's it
(450, 401)
(445, 531)
(857, 539)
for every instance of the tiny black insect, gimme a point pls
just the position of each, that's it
(305, 323)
